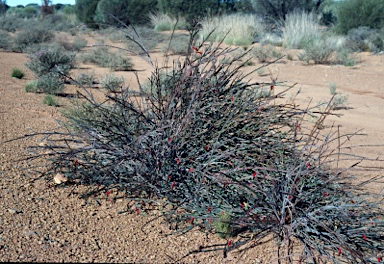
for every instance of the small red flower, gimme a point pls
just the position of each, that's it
(298, 127)
(272, 87)
(206, 147)
(137, 210)
(107, 193)
(173, 185)
(233, 98)
(169, 140)
(242, 205)
(169, 177)
(325, 194)
(194, 48)
(190, 169)
(378, 259)
(230, 163)
(364, 237)
(254, 174)
(177, 161)
(76, 163)
(290, 197)
(339, 251)
(191, 220)
(229, 243)
(308, 165)
(209, 209)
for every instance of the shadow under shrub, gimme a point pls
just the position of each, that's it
(202, 146)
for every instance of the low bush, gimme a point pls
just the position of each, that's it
(50, 101)
(163, 22)
(5, 40)
(205, 149)
(235, 29)
(31, 86)
(85, 79)
(17, 73)
(179, 44)
(111, 82)
(11, 23)
(365, 39)
(31, 36)
(102, 56)
(51, 65)
(265, 53)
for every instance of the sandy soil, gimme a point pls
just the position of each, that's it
(40, 222)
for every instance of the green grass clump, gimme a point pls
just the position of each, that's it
(50, 100)
(17, 73)
(31, 86)
(203, 139)
(299, 29)
(163, 22)
(235, 29)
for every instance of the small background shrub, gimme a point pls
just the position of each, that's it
(51, 65)
(163, 22)
(31, 36)
(50, 101)
(17, 73)
(178, 45)
(102, 56)
(241, 29)
(111, 82)
(5, 40)
(365, 39)
(31, 86)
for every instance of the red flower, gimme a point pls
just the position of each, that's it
(137, 210)
(298, 127)
(177, 161)
(290, 197)
(107, 193)
(229, 243)
(169, 140)
(308, 165)
(364, 237)
(190, 169)
(169, 177)
(76, 162)
(242, 205)
(206, 147)
(325, 194)
(191, 220)
(194, 48)
(254, 174)
(378, 259)
(230, 163)
(173, 185)
(233, 98)
(272, 87)
(339, 251)
(209, 209)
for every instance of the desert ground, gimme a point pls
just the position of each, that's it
(41, 222)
